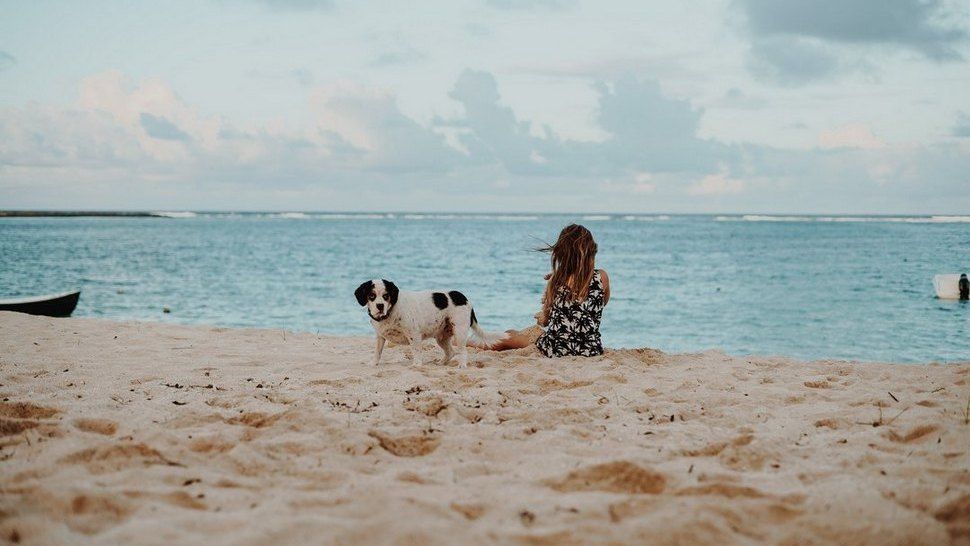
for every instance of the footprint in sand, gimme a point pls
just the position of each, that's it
(827, 423)
(913, 435)
(26, 410)
(9, 427)
(93, 513)
(408, 445)
(430, 405)
(19, 417)
(612, 477)
(97, 426)
(471, 511)
(714, 449)
(255, 419)
(956, 515)
(118, 456)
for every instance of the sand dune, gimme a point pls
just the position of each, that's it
(133, 433)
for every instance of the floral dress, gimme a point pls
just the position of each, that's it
(573, 328)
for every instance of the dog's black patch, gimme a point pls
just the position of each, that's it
(392, 291)
(440, 300)
(457, 297)
(363, 291)
(474, 320)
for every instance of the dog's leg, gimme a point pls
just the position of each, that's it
(461, 339)
(378, 350)
(415, 350)
(445, 344)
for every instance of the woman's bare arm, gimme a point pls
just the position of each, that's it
(606, 286)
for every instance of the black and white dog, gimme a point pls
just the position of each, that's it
(403, 317)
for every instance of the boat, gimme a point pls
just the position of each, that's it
(947, 286)
(53, 305)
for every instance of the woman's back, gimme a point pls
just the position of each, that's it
(573, 327)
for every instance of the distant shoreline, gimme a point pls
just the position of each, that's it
(73, 214)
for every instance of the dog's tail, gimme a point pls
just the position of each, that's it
(488, 338)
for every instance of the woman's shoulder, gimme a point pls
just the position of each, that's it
(604, 278)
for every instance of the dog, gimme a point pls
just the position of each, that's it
(403, 317)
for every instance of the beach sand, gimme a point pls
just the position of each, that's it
(140, 433)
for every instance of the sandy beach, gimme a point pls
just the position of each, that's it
(140, 433)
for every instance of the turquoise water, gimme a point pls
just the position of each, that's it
(808, 287)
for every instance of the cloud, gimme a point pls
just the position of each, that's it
(478, 30)
(161, 128)
(531, 4)
(356, 150)
(789, 60)
(490, 130)
(903, 23)
(646, 131)
(651, 131)
(149, 129)
(640, 183)
(368, 124)
(402, 55)
(716, 184)
(795, 42)
(962, 126)
(856, 135)
(302, 76)
(6, 61)
(736, 99)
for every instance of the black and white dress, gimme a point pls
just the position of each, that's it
(573, 328)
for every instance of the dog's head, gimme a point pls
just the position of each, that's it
(379, 296)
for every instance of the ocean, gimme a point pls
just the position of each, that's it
(809, 287)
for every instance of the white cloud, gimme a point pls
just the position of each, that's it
(139, 145)
(796, 42)
(854, 135)
(716, 184)
(642, 183)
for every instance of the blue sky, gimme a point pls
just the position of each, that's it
(781, 106)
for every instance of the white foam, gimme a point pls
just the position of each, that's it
(640, 218)
(294, 215)
(899, 219)
(597, 217)
(362, 216)
(509, 218)
(432, 216)
(181, 214)
(768, 218)
(497, 217)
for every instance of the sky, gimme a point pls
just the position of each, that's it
(707, 106)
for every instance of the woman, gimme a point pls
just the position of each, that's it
(573, 301)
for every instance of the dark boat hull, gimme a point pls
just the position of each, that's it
(57, 305)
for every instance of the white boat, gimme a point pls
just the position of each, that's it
(947, 286)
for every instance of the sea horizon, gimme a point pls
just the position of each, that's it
(590, 215)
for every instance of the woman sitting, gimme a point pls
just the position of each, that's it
(573, 301)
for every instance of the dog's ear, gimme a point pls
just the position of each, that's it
(363, 291)
(392, 291)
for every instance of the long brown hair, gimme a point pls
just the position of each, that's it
(573, 257)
